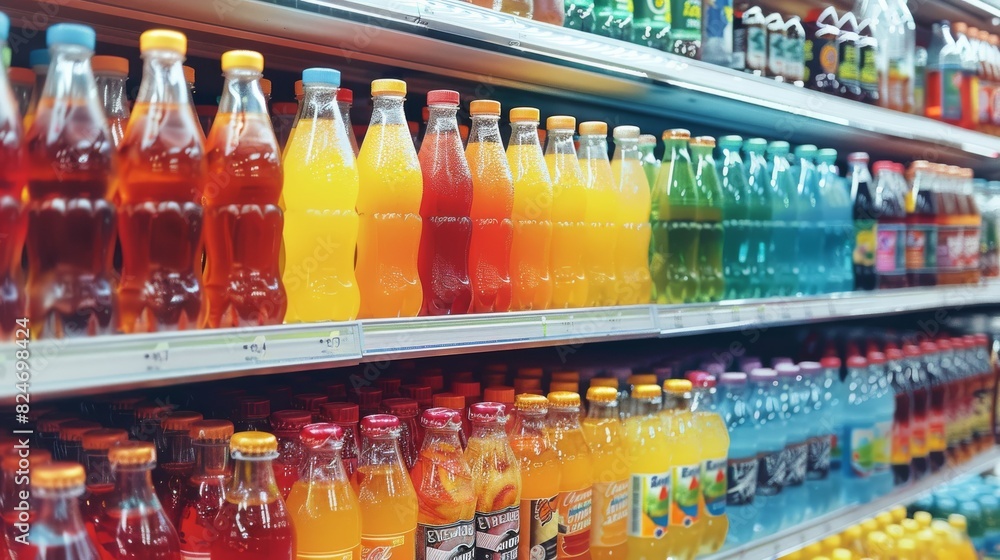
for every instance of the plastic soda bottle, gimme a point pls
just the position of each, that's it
(253, 523)
(685, 27)
(322, 499)
(632, 189)
(791, 396)
(857, 439)
(605, 436)
(650, 163)
(492, 202)
(206, 487)
(445, 491)
(58, 530)
(580, 15)
(811, 238)
(784, 220)
(738, 250)
(741, 470)
(684, 459)
(711, 282)
(817, 417)
(919, 386)
(497, 481)
(345, 100)
(389, 210)
(674, 219)
(161, 178)
(13, 218)
(71, 220)
(540, 474)
(883, 405)
(531, 214)
(771, 465)
(601, 216)
(865, 215)
(714, 463)
(243, 221)
(836, 212)
(388, 500)
(318, 199)
(569, 212)
(574, 504)
(650, 505)
(761, 246)
(110, 74)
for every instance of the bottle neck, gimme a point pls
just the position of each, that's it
(111, 91)
(529, 422)
(320, 102)
(99, 471)
(345, 112)
(594, 146)
(602, 410)
(676, 149)
(242, 93)
(324, 464)
(485, 128)
(628, 149)
(675, 403)
(524, 133)
(442, 119)
(178, 447)
(59, 510)
(447, 438)
(702, 153)
(488, 430)
(211, 458)
(253, 475)
(382, 451)
(388, 110)
(647, 407)
(135, 483)
(703, 399)
(163, 79)
(564, 418)
(560, 141)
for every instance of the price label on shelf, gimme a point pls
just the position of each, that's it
(158, 358)
(256, 350)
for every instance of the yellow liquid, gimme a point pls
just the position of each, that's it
(388, 510)
(602, 232)
(576, 467)
(321, 226)
(531, 247)
(569, 231)
(632, 248)
(612, 479)
(315, 509)
(715, 446)
(648, 445)
(390, 225)
(684, 450)
(540, 480)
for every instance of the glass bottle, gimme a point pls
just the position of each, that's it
(650, 163)
(177, 463)
(286, 426)
(13, 483)
(22, 84)
(346, 416)
(38, 60)
(711, 282)
(252, 414)
(70, 444)
(576, 480)
(600, 216)
(205, 491)
(579, 15)
(13, 218)
(110, 74)
(784, 220)
(738, 252)
(865, 216)
(58, 532)
(605, 435)
(411, 435)
(388, 500)
(761, 246)
(569, 213)
(497, 482)
(674, 254)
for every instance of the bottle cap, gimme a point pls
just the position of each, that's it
(212, 430)
(928, 347)
(627, 132)
(131, 453)
(564, 386)
(923, 518)
(290, 420)
(909, 525)
(23, 76)
(254, 444)
(677, 386)
(109, 65)
(488, 412)
(253, 408)
(242, 59)
(468, 389)
(958, 521)
(857, 362)
(703, 141)
(165, 39)
(805, 151)
(74, 429)
(564, 399)
(442, 97)
(531, 372)
(324, 76)
(809, 368)
(733, 378)
(602, 394)
(180, 420)
(787, 370)
(309, 402)
(531, 402)
(694, 375)
(379, 425)
(71, 34)
(449, 400)
(321, 433)
(299, 89)
(419, 393)
(342, 413)
(58, 476)
(731, 142)
(763, 374)
(840, 554)
(604, 382)
(345, 95)
(876, 358)
(756, 145)
(389, 385)
(368, 397)
(676, 134)
(643, 379)
(645, 391)
(570, 376)
(441, 419)
(647, 140)
(13, 461)
(596, 128)
(492, 379)
(433, 379)
(335, 392)
(188, 74)
(499, 393)
(484, 107)
(152, 411)
(778, 147)
(401, 407)
(524, 114)
(560, 122)
(50, 422)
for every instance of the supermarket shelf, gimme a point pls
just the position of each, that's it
(793, 538)
(64, 367)
(458, 40)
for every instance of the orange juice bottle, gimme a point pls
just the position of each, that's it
(445, 491)
(531, 214)
(647, 440)
(388, 500)
(540, 475)
(389, 209)
(632, 189)
(318, 198)
(577, 480)
(601, 217)
(492, 199)
(323, 498)
(569, 212)
(605, 436)
(497, 482)
(684, 459)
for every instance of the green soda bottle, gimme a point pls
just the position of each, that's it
(580, 15)
(710, 232)
(685, 31)
(674, 263)
(651, 165)
(651, 24)
(614, 19)
(761, 227)
(737, 265)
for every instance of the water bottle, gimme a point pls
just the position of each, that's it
(791, 396)
(838, 236)
(785, 220)
(818, 418)
(883, 403)
(737, 411)
(760, 228)
(811, 236)
(771, 466)
(857, 435)
(833, 400)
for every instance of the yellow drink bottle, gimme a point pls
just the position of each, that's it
(575, 502)
(531, 245)
(634, 201)
(684, 459)
(385, 491)
(601, 215)
(714, 483)
(318, 198)
(649, 518)
(605, 435)
(389, 210)
(540, 478)
(569, 214)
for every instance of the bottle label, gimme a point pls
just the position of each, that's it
(829, 58)
(498, 534)
(742, 479)
(901, 443)
(864, 243)
(379, 547)
(719, 21)
(776, 54)
(951, 93)
(836, 453)
(574, 522)
(299, 555)
(818, 467)
(950, 246)
(686, 493)
(798, 460)
(454, 541)
(756, 48)
(685, 22)
(650, 505)
(609, 526)
(972, 241)
(918, 437)
(770, 473)
(882, 451)
(869, 72)
(936, 438)
(650, 10)
(921, 248)
(847, 70)
(794, 58)
(543, 527)
(714, 486)
(740, 49)
(984, 103)
(859, 446)
(889, 248)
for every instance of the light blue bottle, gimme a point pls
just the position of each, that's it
(793, 400)
(736, 255)
(857, 435)
(837, 217)
(817, 416)
(812, 239)
(883, 403)
(736, 409)
(761, 234)
(771, 454)
(784, 220)
(832, 403)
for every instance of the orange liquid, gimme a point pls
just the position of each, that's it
(162, 174)
(388, 512)
(540, 477)
(531, 243)
(243, 224)
(318, 507)
(492, 231)
(13, 222)
(71, 222)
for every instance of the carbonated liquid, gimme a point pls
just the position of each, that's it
(601, 215)
(13, 218)
(569, 213)
(632, 189)
(674, 258)
(710, 233)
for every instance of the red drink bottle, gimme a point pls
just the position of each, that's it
(13, 219)
(12, 511)
(58, 533)
(346, 416)
(100, 483)
(110, 74)
(286, 425)
(176, 464)
(206, 488)
(71, 221)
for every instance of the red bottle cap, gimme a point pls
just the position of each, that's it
(894, 354)
(368, 397)
(389, 385)
(982, 339)
(468, 389)
(830, 362)
(342, 413)
(440, 418)
(488, 412)
(181, 420)
(928, 347)
(379, 425)
(857, 362)
(876, 358)
(958, 343)
(403, 408)
(345, 95)
(912, 350)
(944, 344)
(320, 433)
(420, 393)
(882, 165)
(433, 379)
(449, 400)
(695, 375)
(336, 392)
(308, 401)
(499, 393)
(442, 97)
(970, 340)
(254, 407)
(290, 420)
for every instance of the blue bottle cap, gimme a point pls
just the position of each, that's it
(805, 151)
(755, 145)
(325, 76)
(71, 34)
(730, 142)
(4, 26)
(827, 154)
(38, 57)
(778, 147)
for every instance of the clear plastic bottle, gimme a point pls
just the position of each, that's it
(601, 215)
(760, 247)
(715, 459)
(857, 438)
(674, 220)
(13, 218)
(738, 259)
(540, 476)
(22, 83)
(742, 464)
(206, 487)
(135, 520)
(176, 463)
(605, 435)
(110, 74)
(711, 238)
(771, 466)
(785, 222)
(838, 222)
(577, 479)
(895, 31)
(632, 191)
(569, 214)
(345, 100)
(38, 60)
(817, 414)
(790, 394)
(58, 531)
(812, 237)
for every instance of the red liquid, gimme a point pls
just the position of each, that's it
(171, 482)
(205, 496)
(243, 224)
(93, 505)
(71, 222)
(950, 239)
(18, 550)
(253, 531)
(142, 535)
(921, 224)
(13, 222)
(159, 220)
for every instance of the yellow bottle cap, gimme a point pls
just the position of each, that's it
(906, 545)
(521, 114)
(253, 443)
(677, 134)
(898, 513)
(895, 532)
(560, 122)
(58, 476)
(132, 453)
(243, 59)
(188, 74)
(604, 382)
(841, 554)
(877, 544)
(594, 127)
(484, 107)
(925, 537)
(910, 526)
(526, 401)
(852, 533)
(813, 550)
(958, 521)
(564, 399)
(870, 525)
(923, 518)
(109, 65)
(166, 39)
(647, 392)
(831, 543)
(821, 558)
(388, 86)
(884, 519)
(602, 394)
(677, 386)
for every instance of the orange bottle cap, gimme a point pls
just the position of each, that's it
(564, 399)
(181, 420)
(152, 410)
(37, 457)
(243, 59)
(25, 76)
(265, 86)
(522, 114)
(58, 476)
(566, 376)
(188, 74)
(647, 392)
(388, 87)
(484, 107)
(50, 423)
(133, 453)
(604, 382)
(104, 438)
(448, 400)
(166, 39)
(647, 139)
(531, 402)
(534, 372)
(676, 133)
(299, 88)
(703, 141)
(499, 393)
(74, 429)
(564, 387)
(212, 430)
(642, 379)
(253, 443)
(560, 122)
(466, 388)
(522, 385)
(594, 127)
(109, 65)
